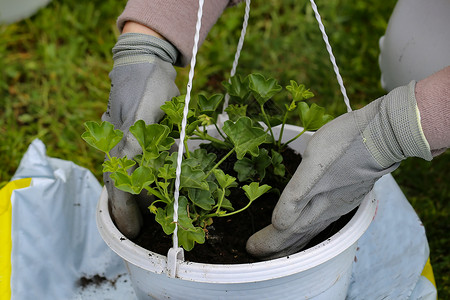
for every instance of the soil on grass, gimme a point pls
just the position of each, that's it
(227, 236)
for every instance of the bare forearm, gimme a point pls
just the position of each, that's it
(433, 101)
(133, 27)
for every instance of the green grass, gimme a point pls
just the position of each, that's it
(54, 77)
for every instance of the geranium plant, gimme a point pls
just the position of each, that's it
(204, 186)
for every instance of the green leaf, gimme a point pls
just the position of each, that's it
(141, 178)
(134, 183)
(209, 105)
(248, 168)
(167, 172)
(291, 107)
(153, 209)
(235, 111)
(206, 120)
(277, 162)
(245, 137)
(192, 162)
(174, 109)
(122, 181)
(158, 162)
(313, 117)
(126, 163)
(164, 186)
(273, 120)
(172, 159)
(223, 179)
(102, 137)
(111, 165)
(164, 216)
(192, 178)
(205, 160)
(299, 92)
(212, 187)
(244, 169)
(153, 138)
(201, 198)
(187, 237)
(191, 127)
(238, 89)
(263, 89)
(254, 191)
(117, 163)
(227, 205)
(261, 162)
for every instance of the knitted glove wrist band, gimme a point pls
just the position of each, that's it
(395, 132)
(137, 47)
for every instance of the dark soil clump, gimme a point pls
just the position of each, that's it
(96, 280)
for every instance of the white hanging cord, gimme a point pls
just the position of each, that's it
(239, 48)
(332, 59)
(176, 252)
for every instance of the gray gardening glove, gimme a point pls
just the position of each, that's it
(339, 167)
(141, 81)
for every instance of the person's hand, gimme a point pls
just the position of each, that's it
(142, 79)
(342, 162)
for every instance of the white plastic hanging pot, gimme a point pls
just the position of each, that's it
(320, 272)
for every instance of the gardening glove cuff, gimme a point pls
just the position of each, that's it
(395, 132)
(137, 47)
(142, 79)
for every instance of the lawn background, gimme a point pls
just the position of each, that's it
(54, 76)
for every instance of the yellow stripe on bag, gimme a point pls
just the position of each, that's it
(5, 234)
(428, 272)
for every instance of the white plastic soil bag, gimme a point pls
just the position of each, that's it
(55, 242)
(392, 258)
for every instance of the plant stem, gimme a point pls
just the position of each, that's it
(158, 194)
(294, 138)
(220, 132)
(184, 142)
(282, 129)
(218, 164)
(268, 123)
(156, 201)
(207, 137)
(234, 212)
(220, 200)
(219, 204)
(186, 147)
(164, 190)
